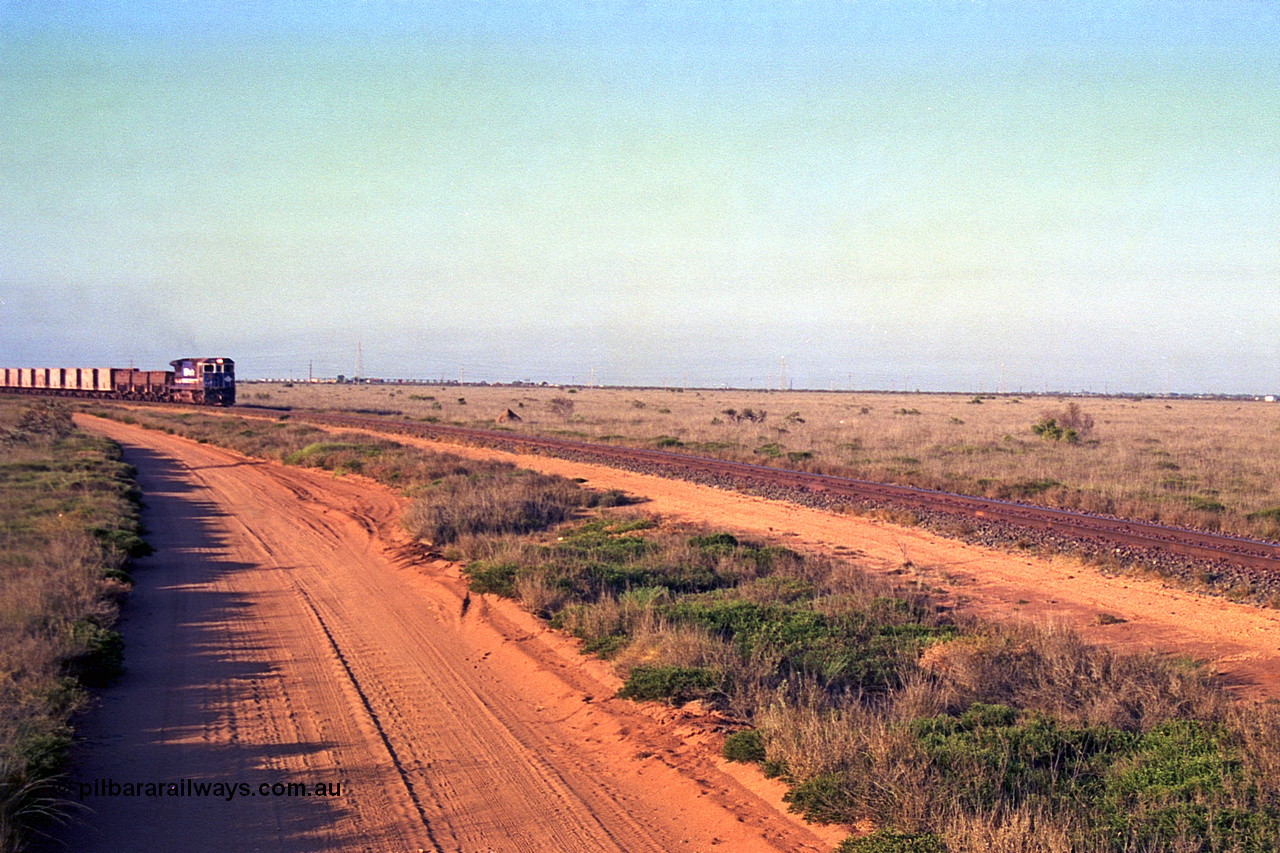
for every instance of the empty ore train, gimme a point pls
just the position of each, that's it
(204, 381)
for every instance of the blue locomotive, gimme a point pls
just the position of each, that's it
(209, 381)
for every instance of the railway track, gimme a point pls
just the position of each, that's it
(1258, 559)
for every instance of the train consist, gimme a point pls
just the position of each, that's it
(203, 381)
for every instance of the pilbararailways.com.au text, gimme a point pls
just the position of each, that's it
(195, 788)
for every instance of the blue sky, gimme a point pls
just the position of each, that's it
(936, 195)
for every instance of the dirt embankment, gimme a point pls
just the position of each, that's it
(283, 633)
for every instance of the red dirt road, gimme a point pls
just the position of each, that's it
(275, 638)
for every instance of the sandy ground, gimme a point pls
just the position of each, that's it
(283, 632)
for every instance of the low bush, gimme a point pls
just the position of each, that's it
(676, 684)
(822, 799)
(744, 747)
(604, 646)
(843, 648)
(498, 578)
(100, 656)
(1049, 428)
(1183, 778)
(888, 841)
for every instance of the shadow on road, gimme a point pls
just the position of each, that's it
(183, 711)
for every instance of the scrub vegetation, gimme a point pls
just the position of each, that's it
(68, 524)
(872, 704)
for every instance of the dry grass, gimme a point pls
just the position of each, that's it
(67, 520)
(510, 502)
(1201, 463)
(759, 632)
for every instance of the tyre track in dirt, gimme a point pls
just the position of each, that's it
(271, 639)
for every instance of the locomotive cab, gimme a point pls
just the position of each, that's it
(207, 381)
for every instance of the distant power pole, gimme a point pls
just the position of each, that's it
(359, 361)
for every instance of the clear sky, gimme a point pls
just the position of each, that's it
(926, 194)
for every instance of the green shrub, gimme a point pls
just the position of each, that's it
(1182, 778)
(775, 769)
(822, 799)
(992, 753)
(676, 577)
(605, 646)
(496, 578)
(610, 498)
(40, 755)
(765, 559)
(1205, 504)
(677, 684)
(604, 561)
(1071, 424)
(715, 542)
(102, 657)
(1174, 779)
(598, 542)
(867, 649)
(126, 542)
(745, 747)
(631, 525)
(887, 841)
(1048, 428)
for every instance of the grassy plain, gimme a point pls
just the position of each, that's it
(1210, 464)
